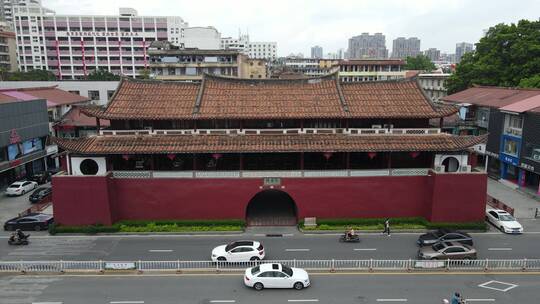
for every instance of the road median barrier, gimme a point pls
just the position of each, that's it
(330, 266)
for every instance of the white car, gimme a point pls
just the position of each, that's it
(504, 221)
(239, 251)
(274, 275)
(20, 188)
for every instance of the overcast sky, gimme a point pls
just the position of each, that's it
(296, 25)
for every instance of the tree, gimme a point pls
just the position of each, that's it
(420, 62)
(531, 82)
(102, 75)
(145, 74)
(32, 75)
(505, 56)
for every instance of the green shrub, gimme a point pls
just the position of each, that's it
(395, 223)
(153, 226)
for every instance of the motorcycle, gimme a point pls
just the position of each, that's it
(19, 241)
(351, 239)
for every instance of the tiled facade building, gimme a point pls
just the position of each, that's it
(226, 147)
(371, 70)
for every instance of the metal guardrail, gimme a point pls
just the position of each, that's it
(315, 265)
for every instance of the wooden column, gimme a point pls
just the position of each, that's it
(389, 160)
(302, 161)
(241, 161)
(194, 162)
(441, 120)
(98, 124)
(152, 162)
(348, 160)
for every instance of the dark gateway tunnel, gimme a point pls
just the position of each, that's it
(271, 208)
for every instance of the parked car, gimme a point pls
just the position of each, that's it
(41, 177)
(443, 235)
(20, 188)
(275, 275)
(39, 194)
(239, 251)
(31, 221)
(504, 221)
(447, 250)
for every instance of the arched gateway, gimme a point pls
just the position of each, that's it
(271, 208)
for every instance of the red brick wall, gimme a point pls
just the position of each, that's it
(441, 197)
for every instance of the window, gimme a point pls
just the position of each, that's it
(94, 95)
(510, 147)
(513, 125)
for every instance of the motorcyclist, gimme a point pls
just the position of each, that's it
(13, 237)
(20, 235)
(349, 234)
(457, 299)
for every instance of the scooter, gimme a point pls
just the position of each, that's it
(352, 239)
(19, 241)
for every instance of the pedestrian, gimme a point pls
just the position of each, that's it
(456, 299)
(386, 227)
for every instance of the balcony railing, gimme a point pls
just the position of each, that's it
(349, 131)
(274, 173)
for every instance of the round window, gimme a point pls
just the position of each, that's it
(89, 167)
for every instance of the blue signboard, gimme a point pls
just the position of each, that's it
(509, 159)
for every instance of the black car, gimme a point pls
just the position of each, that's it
(41, 177)
(31, 221)
(39, 194)
(444, 235)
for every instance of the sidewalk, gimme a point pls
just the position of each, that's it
(524, 205)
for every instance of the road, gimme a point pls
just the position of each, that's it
(299, 246)
(223, 288)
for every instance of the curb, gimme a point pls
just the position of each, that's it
(152, 233)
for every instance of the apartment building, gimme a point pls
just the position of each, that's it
(366, 46)
(170, 62)
(371, 70)
(434, 85)
(255, 50)
(8, 54)
(72, 46)
(404, 47)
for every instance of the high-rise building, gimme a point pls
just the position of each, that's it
(461, 49)
(204, 38)
(255, 50)
(8, 50)
(433, 54)
(404, 47)
(6, 8)
(72, 46)
(316, 52)
(367, 46)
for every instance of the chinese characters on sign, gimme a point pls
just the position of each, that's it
(102, 34)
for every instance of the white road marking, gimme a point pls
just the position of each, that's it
(304, 300)
(480, 300)
(288, 234)
(127, 302)
(391, 300)
(47, 302)
(297, 249)
(222, 301)
(259, 234)
(499, 249)
(508, 285)
(160, 250)
(365, 249)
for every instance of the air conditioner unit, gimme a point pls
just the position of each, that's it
(376, 126)
(439, 169)
(465, 168)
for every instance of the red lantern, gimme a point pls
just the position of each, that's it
(216, 156)
(171, 156)
(414, 154)
(125, 156)
(327, 155)
(371, 155)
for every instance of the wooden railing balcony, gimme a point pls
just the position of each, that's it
(347, 131)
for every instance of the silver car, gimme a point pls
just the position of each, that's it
(447, 251)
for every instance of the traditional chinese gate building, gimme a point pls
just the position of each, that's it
(269, 151)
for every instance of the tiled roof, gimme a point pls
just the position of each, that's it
(150, 100)
(399, 99)
(494, 97)
(159, 144)
(55, 97)
(231, 98)
(75, 118)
